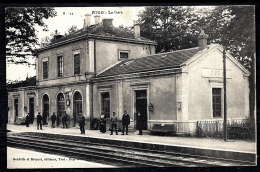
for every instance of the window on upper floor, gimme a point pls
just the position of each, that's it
(60, 66)
(76, 64)
(45, 68)
(216, 102)
(123, 55)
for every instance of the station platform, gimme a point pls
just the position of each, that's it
(202, 143)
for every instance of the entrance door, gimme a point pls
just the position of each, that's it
(60, 108)
(141, 105)
(15, 109)
(45, 109)
(77, 108)
(31, 110)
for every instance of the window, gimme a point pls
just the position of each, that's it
(60, 66)
(105, 104)
(45, 69)
(76, 64)
(216, 102)
(123, 54)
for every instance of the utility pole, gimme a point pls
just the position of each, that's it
(225, 101)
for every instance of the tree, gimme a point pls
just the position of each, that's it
(21, 39)
(169, 26)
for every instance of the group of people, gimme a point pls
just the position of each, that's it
(81, 121)
(125, 123)
(42, 121)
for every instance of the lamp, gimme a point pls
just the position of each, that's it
(150, 107)
(179, 105)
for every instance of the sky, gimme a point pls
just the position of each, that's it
(68, 16)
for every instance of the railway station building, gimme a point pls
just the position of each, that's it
(103, 69)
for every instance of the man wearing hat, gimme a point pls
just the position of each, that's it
(53, 119)
(27, 119)
(39, 121)
(113, 120)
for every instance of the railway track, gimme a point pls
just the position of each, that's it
(120, 156)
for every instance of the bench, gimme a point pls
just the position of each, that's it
(167, 129)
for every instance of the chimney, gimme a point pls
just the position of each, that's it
(97, 19)
(137, 30)
(87, 20)
(202, 39)
(107, 23)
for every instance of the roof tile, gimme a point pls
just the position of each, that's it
(152, 62)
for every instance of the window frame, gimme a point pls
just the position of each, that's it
(45, 60)
(221, 102)
(74, 54)
(123, 51)
(60, 65)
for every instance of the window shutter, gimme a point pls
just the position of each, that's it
(76, 64)
(45, 69)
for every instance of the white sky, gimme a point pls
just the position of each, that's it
(65, 19)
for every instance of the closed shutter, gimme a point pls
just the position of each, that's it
(76, 64)
(45, 70)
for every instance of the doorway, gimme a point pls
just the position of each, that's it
(15, 109)
(141, 105)
(45, 109)
(77, 108)
(31, 110)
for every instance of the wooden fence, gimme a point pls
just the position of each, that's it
(236, 129)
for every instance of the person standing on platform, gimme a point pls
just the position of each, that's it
(64, 120)
(39, 121)
(82, 124)
(27, 119)
(125, 122)
(140, 122)
(53, 119)
(113, 120)
(102, 126)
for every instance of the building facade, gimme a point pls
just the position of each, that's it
(65, 67)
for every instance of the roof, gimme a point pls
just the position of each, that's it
(99, 31)
(28, 82)
(152, 62)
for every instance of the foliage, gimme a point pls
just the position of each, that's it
(20, 32)
(170, 27)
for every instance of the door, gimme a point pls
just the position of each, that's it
(31, 110)
(45, 109)
(60, 108)
(141, 105)
(77, 108)
(15, 109)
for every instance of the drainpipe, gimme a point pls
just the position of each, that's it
(95, 68)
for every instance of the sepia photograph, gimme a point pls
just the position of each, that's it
(130, 86)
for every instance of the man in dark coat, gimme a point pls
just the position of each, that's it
(125, 122)
(82, 124)
(139, 122)
(64, 120)
(39, 121)
(27, 120)
(53, 119)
